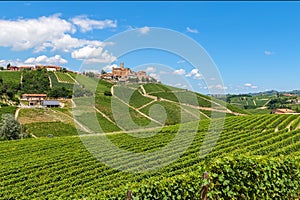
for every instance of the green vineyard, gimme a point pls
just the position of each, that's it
(64, 77)
(255, 157)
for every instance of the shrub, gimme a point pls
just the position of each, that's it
(107, 93)
(11, 129)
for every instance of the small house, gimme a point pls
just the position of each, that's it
(34, 99)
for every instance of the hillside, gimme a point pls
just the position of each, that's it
(265, 102)
(62, 167)
(59, 161)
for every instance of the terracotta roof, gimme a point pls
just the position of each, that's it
(34, 95)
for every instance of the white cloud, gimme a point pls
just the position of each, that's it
(179, 72)
(87, 24)
(16, 62)
(92, 54)
(144, 30)
(268, 53)
(249, 85)
(67, 43)
(218, 86)
(40, 34)
(180, 85)
(57, 59)
(109, 67)
(24, 34)
(150, 69)
(154, 75)
(195, 74)
(188, 29)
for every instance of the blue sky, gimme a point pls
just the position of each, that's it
(255, 45)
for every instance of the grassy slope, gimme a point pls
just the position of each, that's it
(11, 76)
(64, 77)
(7, 110)
(57, 129)
(55, 82)
(184, 96)
(63, 168)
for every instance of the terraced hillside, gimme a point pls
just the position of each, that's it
(152, 105)
(61, 167)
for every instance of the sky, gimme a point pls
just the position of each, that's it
(255, 46)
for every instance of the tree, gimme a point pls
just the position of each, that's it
(11, 129)
(103, 72)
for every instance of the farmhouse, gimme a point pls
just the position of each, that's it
(34, 99)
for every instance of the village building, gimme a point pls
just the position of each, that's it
(141, 75)
(26, 68)
(34, 99)
(13, 68)
(120, 72)
(107, 76)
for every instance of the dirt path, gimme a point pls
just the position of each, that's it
(254, 102)
(17, 113)
(82, 127)
(112, 90)
(193, 114)
(50, 81)
(145, 105)
(143, 89)
(72, 78)
(105, 116)
(148, 117)
(121, 132)
(226, 110)
(266, 103)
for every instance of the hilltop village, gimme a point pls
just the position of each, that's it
(118, 74)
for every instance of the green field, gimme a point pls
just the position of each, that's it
(248, 147)
(7, 110)
(55, 82)
(64, 77)
(250, 102)
(11, 76)
(56, 129)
